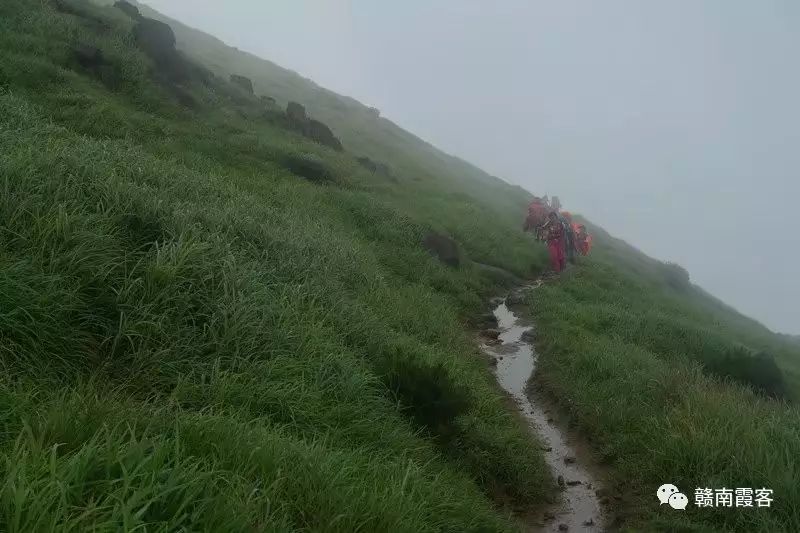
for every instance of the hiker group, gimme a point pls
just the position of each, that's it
(564, 237)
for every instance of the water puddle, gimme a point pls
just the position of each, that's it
(580, 508)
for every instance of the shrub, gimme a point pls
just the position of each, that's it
(757, 370)
(676, 276)
(424, 388)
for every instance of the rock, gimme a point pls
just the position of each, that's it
(549, 515)
(374, 112)
(296, 112)
(268, 101)
(88, 56)
(547, 448)
(563, 527)
(129, 9)
(383, 169)
(573, 483)
(569, 460)
(529, 336)
(493, 361)
(550, 420)
(243, 82)
(560, 481)
(589, 486)
(491, 333)
(319, 132)
(157, 40)
(442, 247)
(604, 501)
(589, 523)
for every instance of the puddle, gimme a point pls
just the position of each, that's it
(516, 362)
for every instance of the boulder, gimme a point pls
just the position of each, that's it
(88, 56)
(129, 9)
(319, 132)
(442, 247)
(296, 112)
(241, 81)
(268, 101)
(157, 40)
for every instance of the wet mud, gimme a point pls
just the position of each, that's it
(515, 357)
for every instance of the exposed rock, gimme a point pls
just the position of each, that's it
(528, 336)
(568, 460)
(268, 101)
(589, 523)
(547, 449)
(560, 481)
(157, 40)
(574, 483)
(549, 515)
(319, 132)
(493, 361)
(308, 127)
(242, 81)
(563, 527)
(89, 56)
(550, 420)
(444, 248)
(129, 9)
(296, 112)
(375, 112)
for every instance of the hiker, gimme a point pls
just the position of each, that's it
(583, 241)
(569, 236)
(554, 231)
(537, 216)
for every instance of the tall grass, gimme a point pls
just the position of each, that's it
(644, 368)
(193, 337)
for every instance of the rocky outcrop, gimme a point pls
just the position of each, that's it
(157, 40)
(443, 248)
(243, 82)
(310, 128)
(129, 9)
(296, 112)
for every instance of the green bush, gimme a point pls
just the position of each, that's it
(757, 370)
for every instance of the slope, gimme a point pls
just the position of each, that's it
(671, 386)
(199, 333)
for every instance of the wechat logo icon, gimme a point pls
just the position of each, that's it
(670, 495)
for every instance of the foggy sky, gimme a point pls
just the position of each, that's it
(675, 125)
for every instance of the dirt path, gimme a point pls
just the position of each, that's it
(580, 509)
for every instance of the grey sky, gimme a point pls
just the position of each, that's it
(674, 124)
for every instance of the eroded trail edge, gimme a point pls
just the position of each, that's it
(515, 355)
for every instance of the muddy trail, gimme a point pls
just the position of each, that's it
(579, 508)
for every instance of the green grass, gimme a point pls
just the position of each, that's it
(627, 354)
(195, 337)
(192, 337)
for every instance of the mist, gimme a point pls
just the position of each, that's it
(674, 125)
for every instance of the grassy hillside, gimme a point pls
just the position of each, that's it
(210, 322)
(656, 373)
(195, 337)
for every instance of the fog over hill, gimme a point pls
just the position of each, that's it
(683, 146)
